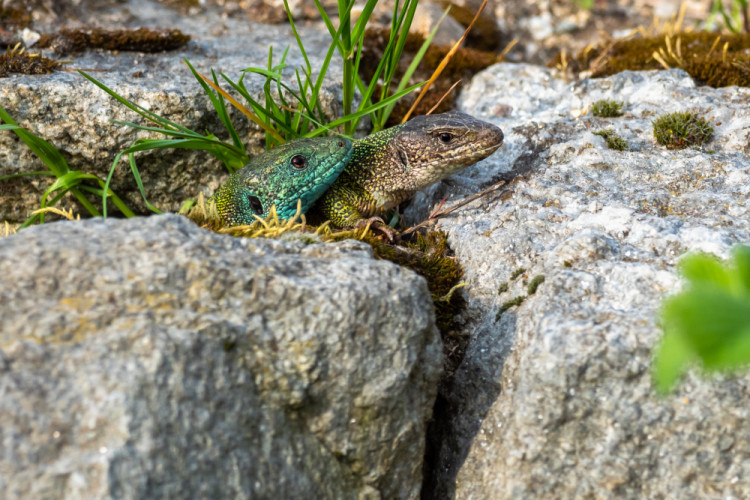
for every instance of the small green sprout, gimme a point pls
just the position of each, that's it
(682, 129)
(502, 288)
(606, 108)
(613, 140)
(709, 321)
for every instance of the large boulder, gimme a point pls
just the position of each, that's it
(148, 358)
(554, 397)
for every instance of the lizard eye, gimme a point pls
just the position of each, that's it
(445, 137)
(255, 204)
(299, 162)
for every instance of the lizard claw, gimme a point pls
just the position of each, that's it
(377, 224)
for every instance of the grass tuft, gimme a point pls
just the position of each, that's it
(607, 108)
(681, 129)
(75, 182)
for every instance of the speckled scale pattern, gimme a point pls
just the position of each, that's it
(271, 178)
(388, 167)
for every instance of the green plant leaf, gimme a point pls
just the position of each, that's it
(43, 149)
(708, 321)
(704, 268)
(741, 279)
(672, 356)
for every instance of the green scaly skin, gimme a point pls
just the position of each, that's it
(301, 169)
(387, 168)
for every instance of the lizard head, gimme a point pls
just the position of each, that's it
(433, 147)
(301, 169)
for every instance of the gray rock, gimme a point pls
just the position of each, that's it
(76, 117)
(554, 397)
(427, 16)
(147, 358)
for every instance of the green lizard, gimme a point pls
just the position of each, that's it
(388, 167)
(301, 169)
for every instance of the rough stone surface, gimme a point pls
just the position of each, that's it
(147, 358)
(76, 117)
(554, 397)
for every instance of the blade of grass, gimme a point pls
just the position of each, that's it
(49, 155)
(257, 107)
(359, 27)
(297, 37)
(27, 174)
(46, 152)
(218, 103)
(243, 109)
(150, 116)
(404, 25)
(446, 94)
(137, 175)
(359, 114)
(386, 112)
(116, 199)
(66, 183)
(40, 216)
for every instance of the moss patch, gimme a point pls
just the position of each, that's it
(714, 60)
(20, 61)
(517, 301)
(613, 140)
(534, 284)
(682, 129)
(137, 40)
(518, 272)
(606, 108)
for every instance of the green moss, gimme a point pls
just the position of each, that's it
(139, 40)
(507, 305)
(518, 272)
(606, 108)
(681, 129)
(613, 141)
(502, 288)
(701, 54)
(534, 284)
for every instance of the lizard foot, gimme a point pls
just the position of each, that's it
(377, 224)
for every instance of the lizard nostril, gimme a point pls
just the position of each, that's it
(255, 204)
